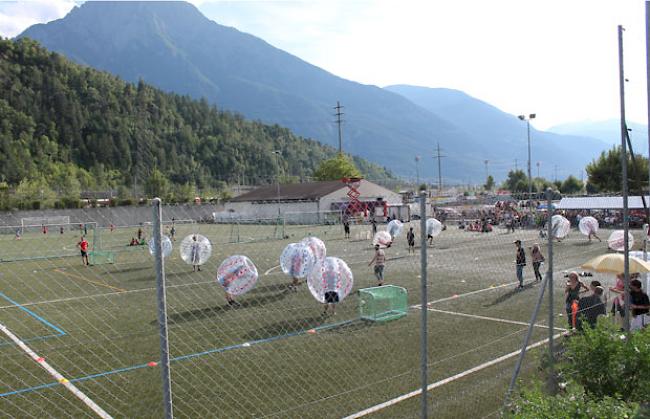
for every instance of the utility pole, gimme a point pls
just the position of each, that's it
(338, 115)
(537, 169)
(516, 166)
(439, 156)
(417, 170)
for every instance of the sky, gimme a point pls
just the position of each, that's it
(555, 58)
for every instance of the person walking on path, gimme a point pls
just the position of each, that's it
(538, 258)
(520, 262)
(380, 261)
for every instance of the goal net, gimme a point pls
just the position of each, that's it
(46, 237)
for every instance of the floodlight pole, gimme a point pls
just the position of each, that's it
(530, 178)
(626, 227)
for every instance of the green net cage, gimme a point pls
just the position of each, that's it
(384, 303)
(100, 257)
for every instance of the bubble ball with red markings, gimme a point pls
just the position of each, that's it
(616, 240)
(382, 238)
(395, 228)
(166, 246)
(560, 226)
(297, 260)
(195, 249)
(330, 275)
(237, 275)
(434, 227)
(317, 247)
(588, 225)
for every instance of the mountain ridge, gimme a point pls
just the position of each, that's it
(176, 48)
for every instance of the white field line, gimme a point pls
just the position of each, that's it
(83, 297)
(453, 297)
(494, 319)
(268, 271)
(447, 380)
(54, 373)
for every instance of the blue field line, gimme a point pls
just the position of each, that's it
(180, 358)
(34, 339)
(57, 329)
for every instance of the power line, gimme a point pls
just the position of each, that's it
(338, 115)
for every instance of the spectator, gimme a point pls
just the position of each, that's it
(592, 306)
(520, 262)
(538, 258)
(639, 304)
(572, 295)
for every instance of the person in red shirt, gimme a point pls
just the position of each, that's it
(83, 246)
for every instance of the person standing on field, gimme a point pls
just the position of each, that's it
(380, 261)
(83, 246)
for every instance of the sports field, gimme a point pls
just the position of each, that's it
(276, 355)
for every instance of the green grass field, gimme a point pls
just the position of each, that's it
(275, 356)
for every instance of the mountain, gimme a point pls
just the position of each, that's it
(506, 133)
(174, 47)
(608, 131)
(70, 127)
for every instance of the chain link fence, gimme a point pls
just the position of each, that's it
(84, 340)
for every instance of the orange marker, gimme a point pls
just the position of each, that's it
(312, 331)
(574, 313)
(152, 364)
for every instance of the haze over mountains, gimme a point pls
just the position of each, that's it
(173, 46)
(608, 131)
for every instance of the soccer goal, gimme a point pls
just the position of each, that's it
(39, 222)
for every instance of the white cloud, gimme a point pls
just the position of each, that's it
(16, 16)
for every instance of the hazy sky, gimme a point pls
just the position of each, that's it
(556, 58)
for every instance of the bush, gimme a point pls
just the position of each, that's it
(606, 362)
(571, 404)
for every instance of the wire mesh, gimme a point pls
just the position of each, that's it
(273, 353)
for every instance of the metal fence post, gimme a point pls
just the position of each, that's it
(162, 309)
(552, 379)
(423, 296)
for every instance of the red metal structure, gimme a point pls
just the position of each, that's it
(354, 206)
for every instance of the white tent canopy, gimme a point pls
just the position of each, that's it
(601, 202)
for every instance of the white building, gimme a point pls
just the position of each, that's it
(312, 202)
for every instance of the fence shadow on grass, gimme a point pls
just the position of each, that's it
(505, 297)
(208, 312)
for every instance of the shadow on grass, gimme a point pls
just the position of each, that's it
(505, 297)
(303, 325)
(271, 287)
(209, 312)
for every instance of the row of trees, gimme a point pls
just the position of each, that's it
(65, 128)
(604, 175)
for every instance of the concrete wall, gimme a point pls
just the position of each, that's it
(120, 216)
(306, 212)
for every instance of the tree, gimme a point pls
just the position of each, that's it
(156, 185)
(517, 181)
(605, 173)
(571, 185)
(489, 183)
(336, 168)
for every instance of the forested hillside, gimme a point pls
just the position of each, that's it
(66, 127)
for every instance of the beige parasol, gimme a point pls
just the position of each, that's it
(613, 263)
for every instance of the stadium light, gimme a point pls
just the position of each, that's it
(530, 179)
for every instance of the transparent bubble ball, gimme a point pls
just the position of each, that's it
(237, 275)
